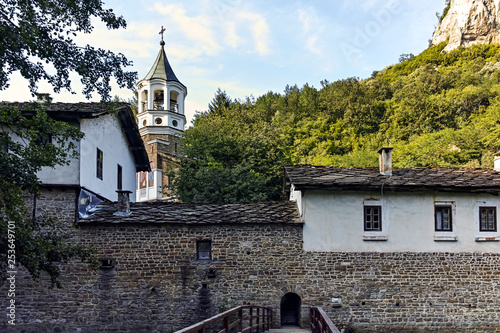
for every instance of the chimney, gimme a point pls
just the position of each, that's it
(123, 204)
(385, 161)
(496, 165)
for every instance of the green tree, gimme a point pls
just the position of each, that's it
(39, 32)
(220, 103)
(35, 242)
(438, 109)
(35, 34)
(232, 154)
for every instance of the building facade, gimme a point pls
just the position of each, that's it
(109, 155)
(363, 244)
(400, 210)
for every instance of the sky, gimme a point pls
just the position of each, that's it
(248, 48)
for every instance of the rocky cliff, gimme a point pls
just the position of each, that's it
(469, 22)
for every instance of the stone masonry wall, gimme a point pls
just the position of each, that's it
(58, 203)
(157, 285)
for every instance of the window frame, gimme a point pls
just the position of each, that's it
(440, 207)
(199, 244)
(365, 214)
(99, 163)
(495, 226)
(444, 235)
(382, 233)
(480, 234)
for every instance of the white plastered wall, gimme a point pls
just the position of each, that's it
(334, 222)
(106, 134)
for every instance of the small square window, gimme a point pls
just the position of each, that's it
(373, 218)
(106, 263)
(443, 218)
(204, 250)
(488, 219)
(99, 164)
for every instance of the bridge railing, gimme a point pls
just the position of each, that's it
(320, 322)
(244, 319)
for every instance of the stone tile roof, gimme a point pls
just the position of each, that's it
(416, 179)
(82, 109)
(159, 212)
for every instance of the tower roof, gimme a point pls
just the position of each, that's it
(161, 68)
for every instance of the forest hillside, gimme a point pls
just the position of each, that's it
(436, 109)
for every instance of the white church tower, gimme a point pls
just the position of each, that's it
(161, 121)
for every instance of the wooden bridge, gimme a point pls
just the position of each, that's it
(258, 319)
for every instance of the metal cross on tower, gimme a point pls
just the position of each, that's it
(161, 32)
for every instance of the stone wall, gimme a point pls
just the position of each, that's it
(156, 284)
(58, 203)
(164, 157)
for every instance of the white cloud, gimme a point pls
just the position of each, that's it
(197, 28)
(312, 28)
(232, 38)
(130, 41)
(259, 28)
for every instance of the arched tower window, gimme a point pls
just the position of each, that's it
(174, 105)
(144, 101)
(158, 100)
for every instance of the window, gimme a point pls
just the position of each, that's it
(485, 220)
(99, 164)
(170, 182)
(443, 218)
(373, 218)
(4, 142)
(106, 263)
(444, 214)
(488, 219)
(43, 140)
(119, 174)
(204, 250)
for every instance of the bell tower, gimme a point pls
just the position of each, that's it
(161, 121)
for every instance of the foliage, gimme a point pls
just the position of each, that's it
(36, 33)
(446, 10)
(37, 40)
(37, 242)
(233, 155)
(438, 109)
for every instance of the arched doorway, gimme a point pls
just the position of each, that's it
(290, 309)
